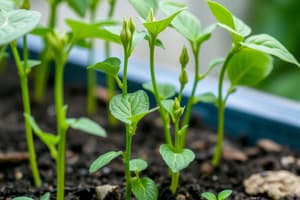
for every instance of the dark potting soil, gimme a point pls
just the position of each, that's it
(82, 149)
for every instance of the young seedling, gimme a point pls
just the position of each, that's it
(248, 62)
(14, 25)
(129, 108)
(46, 196)
(223, 195)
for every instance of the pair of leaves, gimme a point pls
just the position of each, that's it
(130, 108)
(176, 161)
(221, 196)
(16, 23)
(165, 91)
(46, 196)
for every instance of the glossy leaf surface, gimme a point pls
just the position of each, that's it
(103, 160)
(176, 161)
(110, 66)
(144, 189)
(137, 165)
(86, 125)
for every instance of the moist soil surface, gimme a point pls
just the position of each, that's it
(82, 149)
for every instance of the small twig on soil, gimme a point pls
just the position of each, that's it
(15, 157)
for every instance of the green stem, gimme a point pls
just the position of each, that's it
(42, 72)
(163, 114)
(127, 162)
(60, 120)
(91, 76)
(174, 182)
(187, 114)
(221, 109)
(27, 110)
(178, 149)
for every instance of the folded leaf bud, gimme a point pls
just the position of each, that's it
(184, 57)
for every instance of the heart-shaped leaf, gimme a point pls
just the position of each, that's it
(207, 97)
(110, 66)
(224, 194)
(144, 189)
(137, 165)
(86, 125)
(248, 67)
(128, 108)
(80, 7)
(143, 7)
(165, 90)
(103, 160)
(176, 161)
(208, 196)
(82, 30)
(156, 27)
(16, 23)
(270, 45)
(185, 23)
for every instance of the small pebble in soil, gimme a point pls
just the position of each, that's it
(230, 153)
(269, 145)
(18, 175)
(287, 160)
(276, 184)
(103, 191)
(206, 168)
(180, 197)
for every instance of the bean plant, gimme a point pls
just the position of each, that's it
(223, 195)
(129, 108)
(15, 24)
(248, 62)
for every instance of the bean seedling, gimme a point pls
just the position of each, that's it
(223, 195)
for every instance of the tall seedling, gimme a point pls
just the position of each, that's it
(129, 108)
(248, 62)
(15, 24)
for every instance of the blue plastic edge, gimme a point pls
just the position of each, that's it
(249, 113)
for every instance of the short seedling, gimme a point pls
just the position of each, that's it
(14, 25)
(129, 108)
(248, 62)
(223, 195)
(46, 196)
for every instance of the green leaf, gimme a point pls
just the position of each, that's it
(46, 196)
(144, 189)
(176, 161)
(130, 107)
(207, 97)
(185, 23)
(208, 196)
(41, 31)
(110, 66)
(224, 194)
(103, 160)
(82, 30)
(270, 45)
(86, 125)
(22, 198)
(137, 165)
(248, 67)
(31, 64)
(80, 7)
(168, 106)
(165, 90)
(156, 27)
(143, 7)
(16, 23)
(7, 5)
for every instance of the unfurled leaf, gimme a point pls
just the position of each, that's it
(82, 30)
(103, 160)
(7, 5)
(129, 107)
(224, 194)
(206, 98)
(185, 23)
(156, 27)
(248, 67)
(144, 189)
(143, 7)
(176, 161)
(208, 196)
(270, 45)
(137, 165)
(80, 7)
(165, 90)
(16, 23)
(110, 66)
(86, 125)
(23, 198)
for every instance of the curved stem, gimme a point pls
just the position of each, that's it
(60, 121)
(163, 114)
(221, 109)
(187, 114)
(27, 110)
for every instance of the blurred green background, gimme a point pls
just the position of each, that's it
(281, 19)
